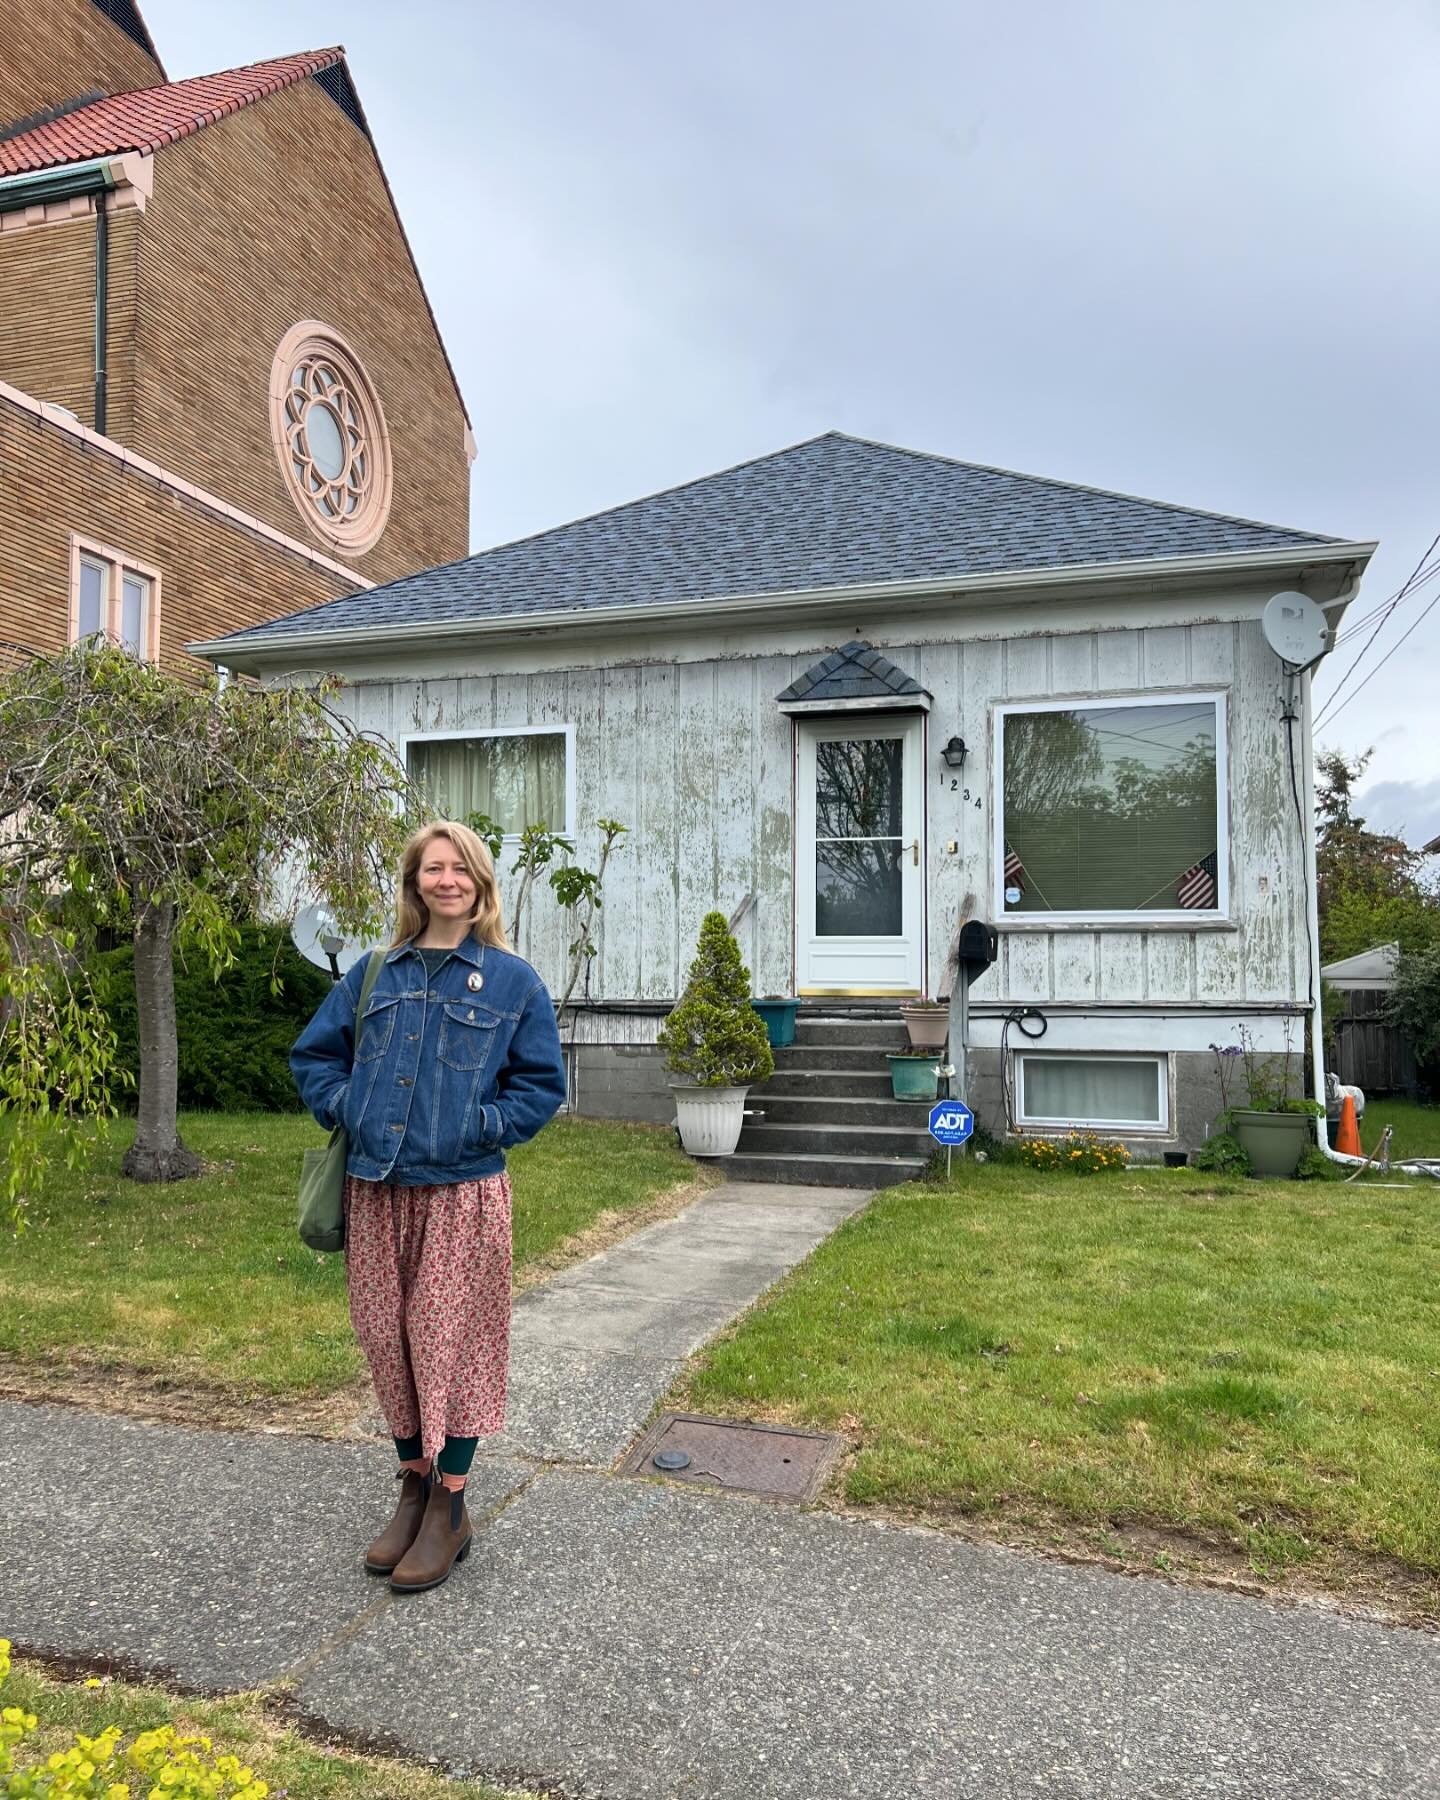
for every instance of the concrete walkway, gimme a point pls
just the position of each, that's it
(626, 1640)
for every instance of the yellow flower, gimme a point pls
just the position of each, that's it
(93, 1681)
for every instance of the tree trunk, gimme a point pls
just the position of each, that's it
(157, 1153)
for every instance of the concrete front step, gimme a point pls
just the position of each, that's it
(822, 1171)
(836, 1140)
(823, 1083)
(889, 1034)
(859, 1059)
(828, 1108)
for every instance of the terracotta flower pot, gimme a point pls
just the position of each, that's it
(927, 1024)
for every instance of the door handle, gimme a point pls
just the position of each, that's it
(915, 851)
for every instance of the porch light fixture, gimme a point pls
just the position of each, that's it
(954, 753)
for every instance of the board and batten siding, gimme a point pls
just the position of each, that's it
(697, 760)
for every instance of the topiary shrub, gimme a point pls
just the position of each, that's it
(714, 1037)
(1222, 1154)
(235, 1033)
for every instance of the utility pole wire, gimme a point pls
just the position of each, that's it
(1329, 707)
(1331, 715)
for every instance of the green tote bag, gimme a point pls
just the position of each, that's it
(322, 1176)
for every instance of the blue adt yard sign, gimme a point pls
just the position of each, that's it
(951, 1122)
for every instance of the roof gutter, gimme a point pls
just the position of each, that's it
(1023, 582)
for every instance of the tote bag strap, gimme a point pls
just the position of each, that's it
(367, 987)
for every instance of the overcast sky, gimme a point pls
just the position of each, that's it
(1191, 253)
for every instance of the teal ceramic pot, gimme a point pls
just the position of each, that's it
(1274, 1142)
(912, 1077)
(779, 1017)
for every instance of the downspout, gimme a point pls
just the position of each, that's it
(102, 295)
(1312, 906)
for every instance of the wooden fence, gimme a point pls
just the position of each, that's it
(1370, 1053)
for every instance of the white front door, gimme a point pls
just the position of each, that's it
(860, 856)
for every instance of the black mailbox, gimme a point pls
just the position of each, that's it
(978, 947)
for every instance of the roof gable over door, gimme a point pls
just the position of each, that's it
(854, 678)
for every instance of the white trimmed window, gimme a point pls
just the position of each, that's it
(518, 776)
(1110, 1093)
(113, 597)
(1112, 808)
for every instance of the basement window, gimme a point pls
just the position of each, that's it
(1129, 1093)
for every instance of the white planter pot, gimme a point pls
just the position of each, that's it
(710, 1118)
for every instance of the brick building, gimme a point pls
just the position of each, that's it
(223, 394)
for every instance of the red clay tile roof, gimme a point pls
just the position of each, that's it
(151, 117)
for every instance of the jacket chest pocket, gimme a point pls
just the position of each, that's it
(377, 1028)
(468, 1035)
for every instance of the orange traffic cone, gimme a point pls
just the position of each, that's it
(1347, 1138)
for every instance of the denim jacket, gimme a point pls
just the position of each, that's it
(447, 1075)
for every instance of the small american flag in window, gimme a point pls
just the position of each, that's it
(1014, 870)
(1198, 886)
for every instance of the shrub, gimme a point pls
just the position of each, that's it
(106, 1768)
(234, 1033)
(714, 1037)
(1315, 1165)
(1081, 1153)
(1222, 1154)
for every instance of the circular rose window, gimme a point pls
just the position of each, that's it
(330, 437)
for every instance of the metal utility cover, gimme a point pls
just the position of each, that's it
(774, 1462)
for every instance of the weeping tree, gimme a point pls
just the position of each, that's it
(160, 806)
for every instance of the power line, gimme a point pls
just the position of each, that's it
(1329, 707)
(1331, 714)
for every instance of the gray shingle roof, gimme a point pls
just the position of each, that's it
(834, 511)
(856, 671)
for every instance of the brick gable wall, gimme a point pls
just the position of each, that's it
(216, 576)
(47, 303)
(55, 51)
(275, 215)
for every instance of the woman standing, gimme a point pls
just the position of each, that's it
(456, 1059)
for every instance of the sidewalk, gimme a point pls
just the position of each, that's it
(626, 1640)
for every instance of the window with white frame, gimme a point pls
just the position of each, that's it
(1114, 806)
(113, 597)
(1114, 1092)
(517, 777)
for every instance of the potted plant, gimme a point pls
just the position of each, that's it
(716, 1043)
(779, 1016)
(1273, 1126)
(927, 1022)
(914, 1074)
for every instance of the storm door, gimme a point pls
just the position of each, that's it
(860, 855)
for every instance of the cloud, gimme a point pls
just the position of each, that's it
(1408, 809)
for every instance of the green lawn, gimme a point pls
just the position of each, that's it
(242, 1725)
(1257, 1361)
(1416, 1127)
(206, 1280)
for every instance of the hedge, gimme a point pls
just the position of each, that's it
(234, 1034)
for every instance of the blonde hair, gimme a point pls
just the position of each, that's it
(487, 925)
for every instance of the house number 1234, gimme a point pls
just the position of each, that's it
(964, 793)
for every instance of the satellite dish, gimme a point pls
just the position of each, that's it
(1295, 629)
(315, 937)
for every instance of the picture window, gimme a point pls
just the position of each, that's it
(1112, 807)
(1082, 1092)
(518, 778)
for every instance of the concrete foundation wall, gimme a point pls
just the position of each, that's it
(627, 1081)
(624, 1081)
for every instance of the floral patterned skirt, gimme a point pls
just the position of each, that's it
(428, 1270)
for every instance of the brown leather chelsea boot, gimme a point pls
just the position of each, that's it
(444, 1540)
(404, 1527)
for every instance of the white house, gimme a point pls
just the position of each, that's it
(856, 694)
